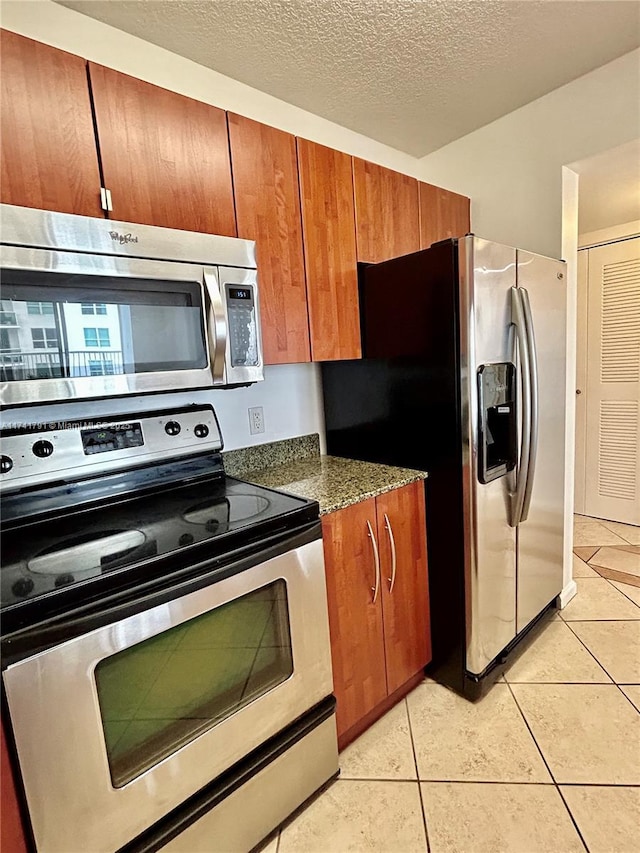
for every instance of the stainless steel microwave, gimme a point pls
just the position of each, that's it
(96, 308)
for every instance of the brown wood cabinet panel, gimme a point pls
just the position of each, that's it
(387, 212)
(265, 181)
(329, 234)
(443, 214)
(401, 523)
(12, 838)
(47, 142)
(355, 622)
(165, 157)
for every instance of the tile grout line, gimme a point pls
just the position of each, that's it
(494, 782)
(555, 783)
(608, 580)
(614, 682)
(415, 762)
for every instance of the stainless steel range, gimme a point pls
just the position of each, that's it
(165, 646)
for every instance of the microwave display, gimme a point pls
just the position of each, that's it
(53, 327)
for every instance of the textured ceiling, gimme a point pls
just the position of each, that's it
(414, 74)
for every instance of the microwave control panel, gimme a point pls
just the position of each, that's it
(243, 330)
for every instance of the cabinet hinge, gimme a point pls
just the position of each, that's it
(105, 199)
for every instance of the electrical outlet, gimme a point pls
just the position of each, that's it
(256, 420)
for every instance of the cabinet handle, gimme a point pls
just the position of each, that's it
(105, 199)
(376, 557)
(392, 542)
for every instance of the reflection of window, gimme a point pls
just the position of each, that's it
(100, 368)
(93, 308)
(96, 338)
(44, 338)
(39, 307)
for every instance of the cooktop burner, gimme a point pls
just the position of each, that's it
(41, 557)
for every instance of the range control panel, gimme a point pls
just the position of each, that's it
(35, 454)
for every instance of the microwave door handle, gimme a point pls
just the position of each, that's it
(516, 498)
(534, 407)
(216, 326)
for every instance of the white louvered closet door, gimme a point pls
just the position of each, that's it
(613, 383)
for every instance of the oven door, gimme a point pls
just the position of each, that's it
(116, 727)
(76, 325)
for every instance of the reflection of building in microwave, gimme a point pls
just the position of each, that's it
(40, 339)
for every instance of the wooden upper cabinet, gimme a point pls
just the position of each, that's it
(165, 157)
(387, 212)
(265, 181)
(443, 214)
(403, 545)
(47, 141)
(355, 622)
(328, 229)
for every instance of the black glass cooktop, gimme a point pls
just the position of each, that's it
(44, 556)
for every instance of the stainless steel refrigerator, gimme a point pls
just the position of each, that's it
(463, 375)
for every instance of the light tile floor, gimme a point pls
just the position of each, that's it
(547, 762)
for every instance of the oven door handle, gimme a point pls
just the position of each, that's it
(216, 326)
(89, 555)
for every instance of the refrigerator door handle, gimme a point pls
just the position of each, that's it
(518, 320)
(534, 396)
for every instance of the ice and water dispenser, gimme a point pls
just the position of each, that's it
(497, 429)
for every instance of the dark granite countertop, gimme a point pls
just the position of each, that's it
(296, 466)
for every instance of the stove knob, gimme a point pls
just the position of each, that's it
(42, 449)
(6, 464)
(185, 539)
(172, 428)
(201, 430)
(22, 587)
(63, 580)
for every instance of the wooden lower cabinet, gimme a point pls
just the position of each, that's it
(12, 838)
(377, 646)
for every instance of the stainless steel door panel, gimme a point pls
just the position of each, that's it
(25, 226)
(42, 390)
(540, 537)
(487, 272)
(249, 814)
(55, 713)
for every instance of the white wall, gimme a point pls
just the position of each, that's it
(290, 394)
(512, 168)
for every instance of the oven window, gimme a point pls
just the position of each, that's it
(59, 326)
(160, 694)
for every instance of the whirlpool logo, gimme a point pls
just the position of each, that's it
(117, 237)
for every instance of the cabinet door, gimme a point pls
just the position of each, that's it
(12, 838)
(329, 234)
(47, 142)
(402, 531)
(165, 157)
(355, 622)
(265, 180)
(387, 212)
(442, 214)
